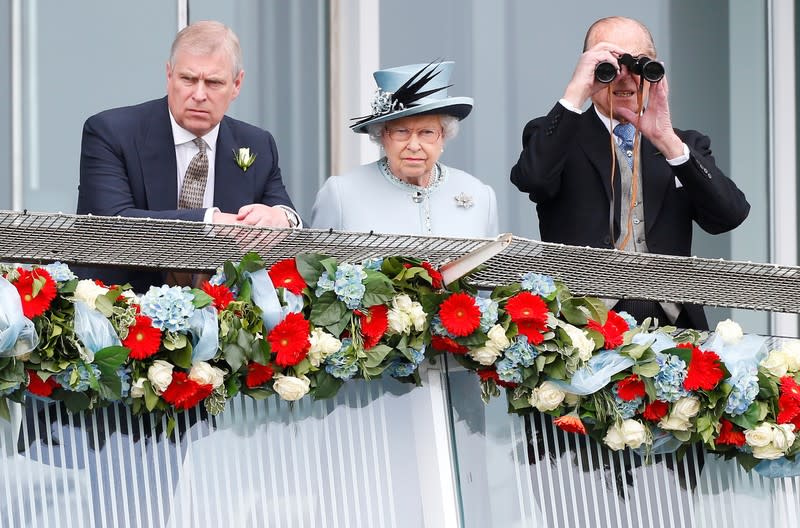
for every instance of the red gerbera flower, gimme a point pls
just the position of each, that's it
(789, 402)
(185, 393)
(258, 374)
(373, 324)
(436, 277)
(612, 331)
(143, 338)
(570, 423)
(704, 371)
(37, 289)
(289, 340)
(491, 374)
(527, 307)
(533, 330)
(630, 388)
(284, 274)
(460, 315)
(655, 411)
(221, 294)
(40, 387)
(729, 436)
(445, 344)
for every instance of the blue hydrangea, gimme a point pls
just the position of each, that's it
(509, 371)
(626, 409)
(374, 264)
(169, 307)
(669, 380)
(218, 279)
(745, 390)
(488, 308)
(125, 379)
(538, 284)
(438, 328)
(628, 318)
(60, 272)
(324, 284)
(81, 383)
(400, 369)
(341, 364)
(417, 356)
(349, 286)
(520, 352)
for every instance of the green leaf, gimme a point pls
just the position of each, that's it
(330, 312)
(234, 355)
(75, 401)
(5, 413)
(231, 273)
(646, 370)
(110, 387)
(310, 267)
(201, 298)
(105, 303)
(327, 386)
(182, 357)
(150, 397)
(571, 310)
(379, 289)
(376, 355)
(251, 263)
(111, 357)
(634, 351)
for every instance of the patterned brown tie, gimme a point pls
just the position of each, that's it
(191, 197)
(194, 183)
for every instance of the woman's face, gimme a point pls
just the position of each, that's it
(413, 145)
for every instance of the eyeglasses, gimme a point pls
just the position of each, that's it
(425, 135)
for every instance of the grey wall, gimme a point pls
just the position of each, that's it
(5, 106)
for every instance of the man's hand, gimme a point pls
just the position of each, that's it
(583, 84)
(261, 215)
(655, 122)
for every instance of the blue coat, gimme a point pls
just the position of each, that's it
(128, 168)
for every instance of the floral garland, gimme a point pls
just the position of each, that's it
(308, 324)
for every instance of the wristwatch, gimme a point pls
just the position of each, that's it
(292, 218)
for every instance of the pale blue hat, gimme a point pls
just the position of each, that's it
(411, 90)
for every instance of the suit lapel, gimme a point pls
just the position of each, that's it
(232, 185)
(656, 177)
(596, 144)
(157, 156)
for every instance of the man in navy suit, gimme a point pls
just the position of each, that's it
(134, 160)
(656, 192)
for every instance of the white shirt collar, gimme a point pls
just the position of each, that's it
(610, 123)
(181, 135)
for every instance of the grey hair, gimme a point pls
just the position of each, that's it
(206, 38)
(450, 126)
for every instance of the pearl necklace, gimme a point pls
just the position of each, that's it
(418, 194)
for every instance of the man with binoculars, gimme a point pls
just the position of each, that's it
(617, 175)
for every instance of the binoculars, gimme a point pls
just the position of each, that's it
(644, 66)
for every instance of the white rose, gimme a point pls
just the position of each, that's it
(497, 336)
(614, 439)
(571, 399)
(205, 374)
(783, 436)
(399, 321)
(580, 341)
(634, 433)
(761, 436)
(791, 351)
(323, 345)
(418, 316)
(402, 302)
(547, 396)
(290, 388)
(776, 363)
(130, 296)
(681, 414)
(768, 452)
(137, 388)
(729, 331)
(87, 291)
(160, 375)
(485, 355)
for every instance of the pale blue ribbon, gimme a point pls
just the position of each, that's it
(17, 332)
(596, 374)
(780, 467)
(93, 330)
(266, 298)
(748, 352)
(204, 328)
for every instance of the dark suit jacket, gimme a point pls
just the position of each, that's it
(565, 167)
(128, 168)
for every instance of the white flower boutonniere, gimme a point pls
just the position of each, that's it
(464, 200)
(243, 158)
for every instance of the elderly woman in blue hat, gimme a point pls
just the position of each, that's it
(408, 190)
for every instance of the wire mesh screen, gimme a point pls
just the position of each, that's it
(191, 246)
